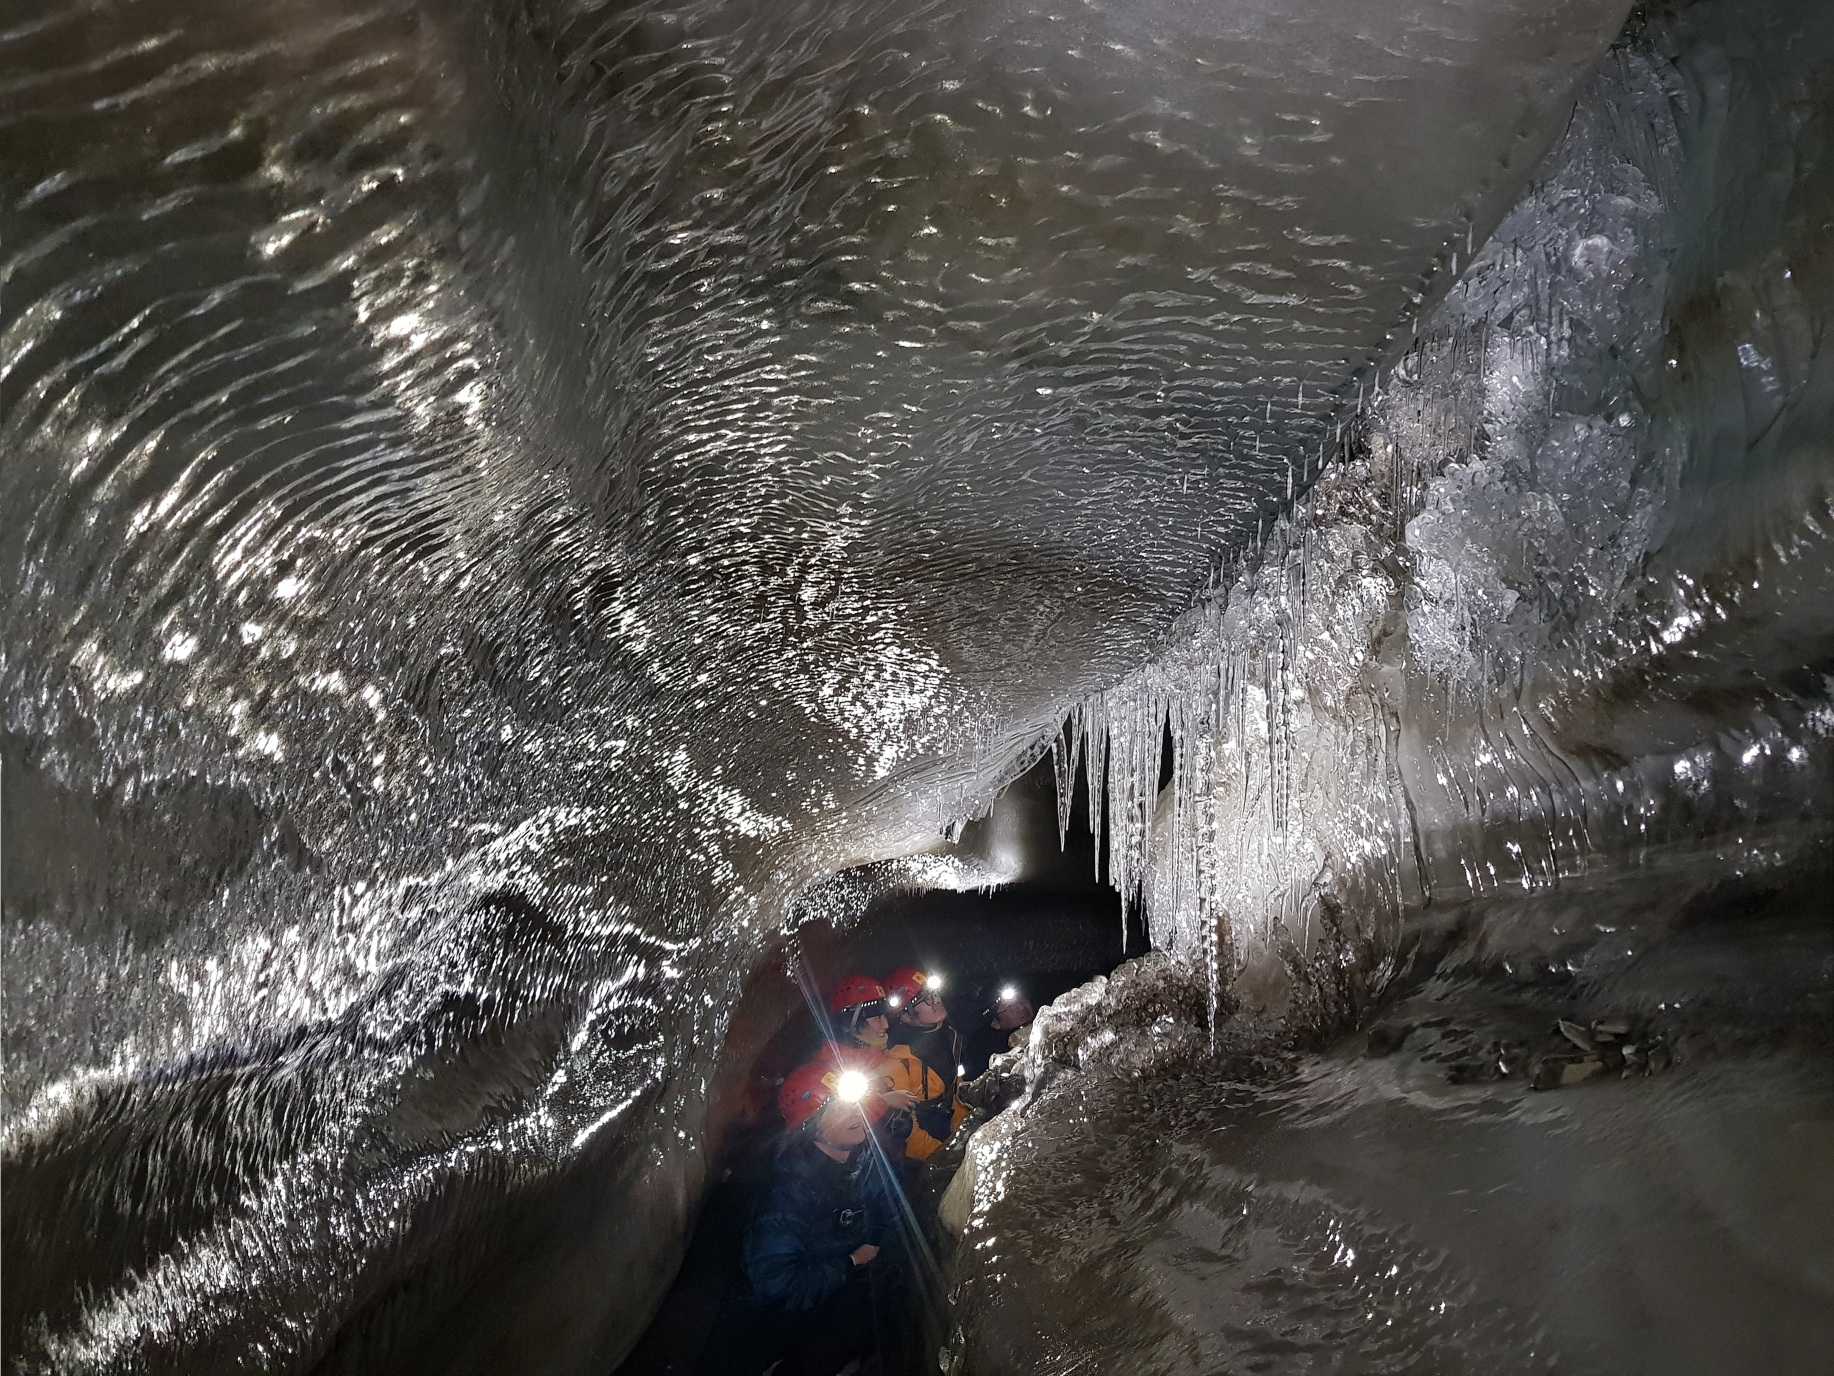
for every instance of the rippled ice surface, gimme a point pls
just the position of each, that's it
(1364, 1214)
(501, 500)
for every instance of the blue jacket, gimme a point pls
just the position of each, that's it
(798, 1248)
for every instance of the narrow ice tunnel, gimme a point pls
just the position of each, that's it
(525, 524)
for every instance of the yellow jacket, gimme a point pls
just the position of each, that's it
(911, 1075)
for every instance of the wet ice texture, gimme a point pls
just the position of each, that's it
(1567, 599)
(1153, 1207)
(724, 436)
(1564, 606)
(541, 488)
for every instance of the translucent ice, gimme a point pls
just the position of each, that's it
(504, 502)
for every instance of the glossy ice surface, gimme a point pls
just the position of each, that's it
(500, 502)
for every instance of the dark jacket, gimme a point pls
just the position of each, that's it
(798, 1248)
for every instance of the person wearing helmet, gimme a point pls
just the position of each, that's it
(811, 1248)
(1008, 1012)
(859, 1025)
(926, 1056)
(859, 1012)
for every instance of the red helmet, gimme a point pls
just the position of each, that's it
(853, 991)
(905, 983)
(807, 1089)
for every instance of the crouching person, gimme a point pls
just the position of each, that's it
(811, 1252)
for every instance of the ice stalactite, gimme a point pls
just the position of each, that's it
(1601, 462)
(1066, 761)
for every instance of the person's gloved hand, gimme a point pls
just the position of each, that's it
(936, 1119)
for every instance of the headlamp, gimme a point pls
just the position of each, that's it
(851, 1087)
(1008, 993)
(893, 1000)
(933, 983)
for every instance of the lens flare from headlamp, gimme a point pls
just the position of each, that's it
(851, 1087)
(1008, 993)
(932, 983)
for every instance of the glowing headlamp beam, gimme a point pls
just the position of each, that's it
(851, 1087)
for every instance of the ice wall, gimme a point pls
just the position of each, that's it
(501, 501)
(1561, 596)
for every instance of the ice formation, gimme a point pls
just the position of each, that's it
(503, 502)
(1548, 605)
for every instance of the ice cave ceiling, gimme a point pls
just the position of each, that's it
(501, 499)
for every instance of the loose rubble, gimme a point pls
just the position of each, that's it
(1568, 1053)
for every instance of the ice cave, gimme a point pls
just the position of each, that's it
(538, 535)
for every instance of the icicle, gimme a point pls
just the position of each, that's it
(1241, 733)
(1120, 772)
(1305, 567)
(1135, 732)
(1175, 724)
(1065, 747)
(1122, 785)
(1394, 488)
(1209, 906)
(1219, 714)
(1289, 654)
(1095, 763)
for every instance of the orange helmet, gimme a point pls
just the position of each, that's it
(855, 991)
